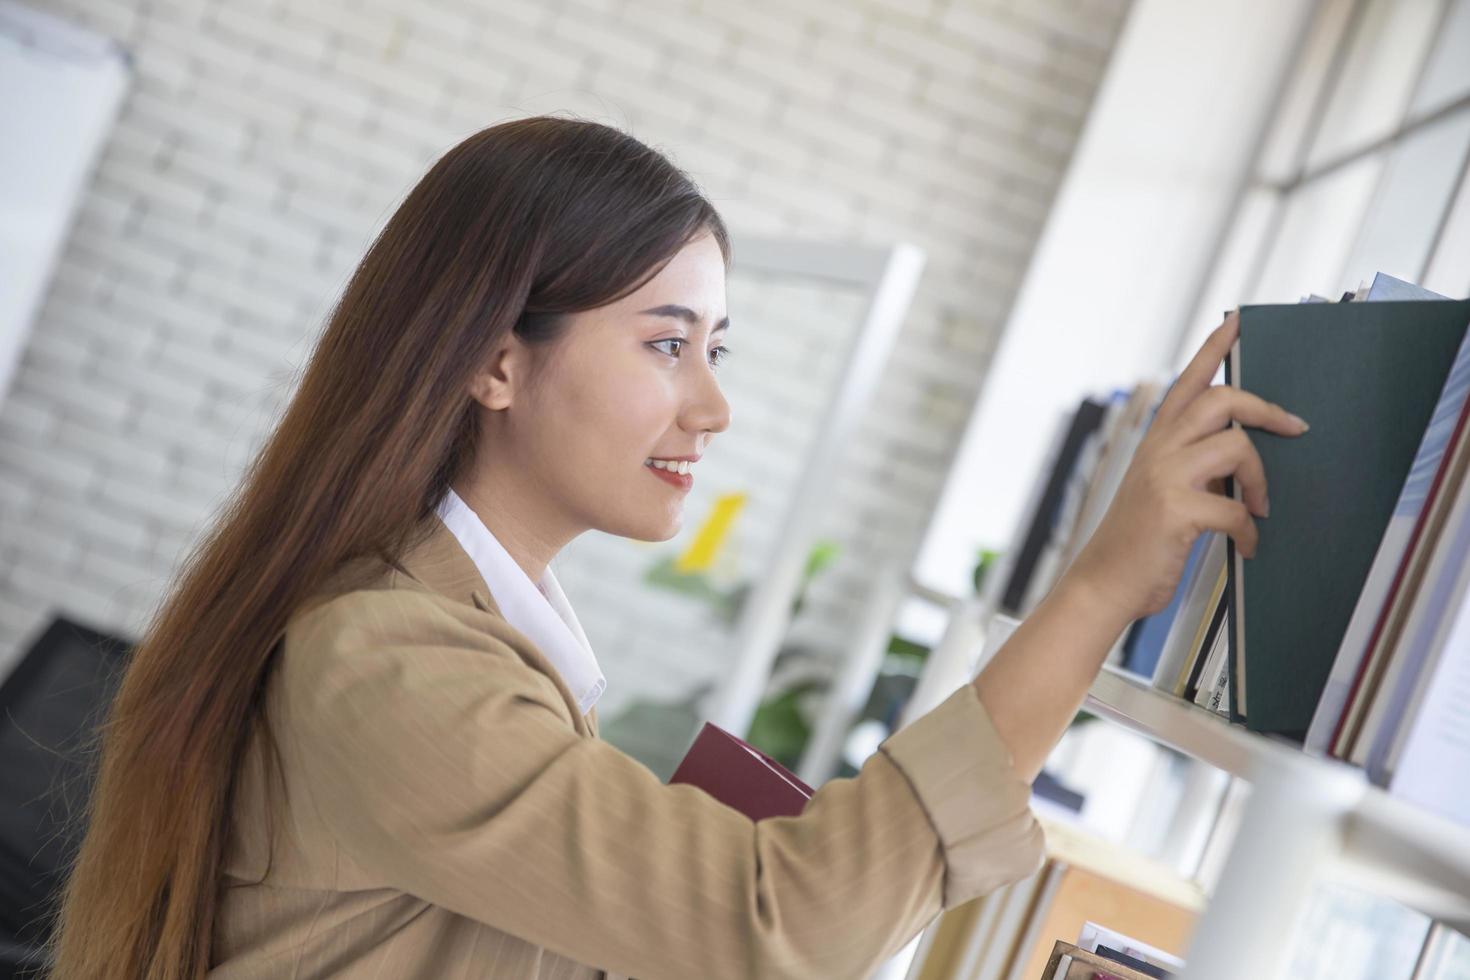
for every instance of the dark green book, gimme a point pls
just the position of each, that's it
(1366, 377)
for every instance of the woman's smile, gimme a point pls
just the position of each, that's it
(683, 480)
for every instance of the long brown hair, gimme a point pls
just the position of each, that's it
(512, 228)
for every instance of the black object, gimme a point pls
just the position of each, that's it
(1085, 422)
(1142, 966)
(1048, 787)
(50, 706)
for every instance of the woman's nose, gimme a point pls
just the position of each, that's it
(708, 410)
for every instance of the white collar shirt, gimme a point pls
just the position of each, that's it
(539, 610)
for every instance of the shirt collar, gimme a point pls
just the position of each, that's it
(540, 611)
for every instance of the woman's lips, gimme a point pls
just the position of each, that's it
(681, 480)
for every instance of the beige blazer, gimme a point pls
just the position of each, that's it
(448, 813)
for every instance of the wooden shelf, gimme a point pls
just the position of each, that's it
(1073, 845)
(1386, 845)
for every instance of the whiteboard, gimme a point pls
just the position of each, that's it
(60, 89)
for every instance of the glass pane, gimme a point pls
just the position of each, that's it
(1449, 267)
(1387, 51)
(1450, 958)
(1447, 76)
(1318, 228)
(1410, 203)
(1233, 269)
(1348, 934)
(1300, 103)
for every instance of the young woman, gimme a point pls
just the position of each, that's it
(358, 739)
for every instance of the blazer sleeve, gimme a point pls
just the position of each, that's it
(448, 768)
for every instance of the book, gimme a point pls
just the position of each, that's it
(1086, 471)
(1148, 959)
(1011, 921)
(1144, 647)
(999, 577)
(1398, 644)
(1204, 604)
(1128, 424)
(1212, 640)
(1133, 962)
(1070, 962)
(741, 776)
(1397, 537)
(1214, 688)
(1085, 422)
(963, 935)
(1233, 569)
(1367, 377)
(1202, 591)
(1423, 757)
(1086, 883)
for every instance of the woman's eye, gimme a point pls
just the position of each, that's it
(717, 356)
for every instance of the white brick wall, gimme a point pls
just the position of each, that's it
(264, 142)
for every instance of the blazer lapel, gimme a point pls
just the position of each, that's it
(440, 563)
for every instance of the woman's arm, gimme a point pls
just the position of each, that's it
(423, 753)
(1034, 684)
(1131, 566)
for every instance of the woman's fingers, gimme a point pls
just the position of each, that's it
(1196, 378)
(1219, 405)
(1215, 513)
(1228, 453)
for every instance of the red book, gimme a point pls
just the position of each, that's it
(740, 775)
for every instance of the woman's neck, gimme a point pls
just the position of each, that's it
(519, 529)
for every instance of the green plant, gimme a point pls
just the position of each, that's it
(779, 728)
(986, 562)
(728, 603)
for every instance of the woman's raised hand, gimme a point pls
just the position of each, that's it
(1171, 491)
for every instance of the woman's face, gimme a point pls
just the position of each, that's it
(624, 383)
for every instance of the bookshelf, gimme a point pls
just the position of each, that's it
(1360, 89)
(1006, 934)
(1074, 846)
(1306, 819)
(1133, 703)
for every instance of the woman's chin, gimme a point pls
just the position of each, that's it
(652, 530)
(668, 529)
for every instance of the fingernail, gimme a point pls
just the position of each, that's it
(1299, 422)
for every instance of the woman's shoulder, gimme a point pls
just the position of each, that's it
(382, 601)
(427, 575)
(424, 618)
(386, 615)
(395, 643)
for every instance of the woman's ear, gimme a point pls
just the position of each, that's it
(494, 386)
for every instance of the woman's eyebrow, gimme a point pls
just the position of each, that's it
(684, 313)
